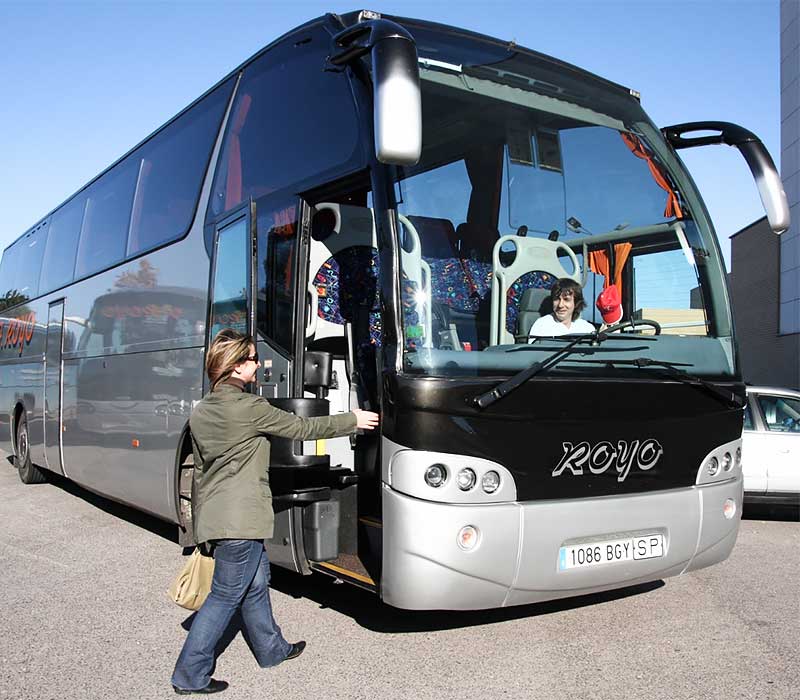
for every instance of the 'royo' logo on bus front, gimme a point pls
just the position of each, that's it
(604, 456)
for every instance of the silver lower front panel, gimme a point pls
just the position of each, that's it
(516, 559)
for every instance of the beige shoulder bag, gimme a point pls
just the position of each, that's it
(193, 584)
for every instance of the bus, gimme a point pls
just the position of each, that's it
(389, 241)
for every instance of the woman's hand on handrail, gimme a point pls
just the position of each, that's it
(366, 420)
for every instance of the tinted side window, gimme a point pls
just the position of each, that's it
(30, 262)
(781, 413)
(229, 306)
(105, 223)
(274, 138)
(62, 245)
(171, 168)
(8, 277)
(20, 269)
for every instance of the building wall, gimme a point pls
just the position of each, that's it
(767, 357)
(790, 165)
(676, 321)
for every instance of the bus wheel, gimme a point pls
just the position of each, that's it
(29, 473)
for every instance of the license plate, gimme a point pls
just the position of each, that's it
(576, 556)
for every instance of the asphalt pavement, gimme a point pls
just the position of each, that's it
(84, 614)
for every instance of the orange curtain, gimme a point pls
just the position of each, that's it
(621, 253)
(233, 185)
(600, 264)
(673, 208)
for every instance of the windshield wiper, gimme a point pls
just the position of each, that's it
(727, 397)
(506, 387)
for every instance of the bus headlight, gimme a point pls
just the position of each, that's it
(466, 479)
(738, 456)
(712, 466)
(490, 481)
(727, 462)
(435, 475)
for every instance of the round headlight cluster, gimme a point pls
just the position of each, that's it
(466, 478)
(435, 475)
(712, 466)
(490, 481)
(738, 456)
(727, 462)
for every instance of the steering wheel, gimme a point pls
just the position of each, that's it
(632, 323)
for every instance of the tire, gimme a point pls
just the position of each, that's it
(29, 473)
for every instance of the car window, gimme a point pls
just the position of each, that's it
(781, 413)
(748, 418)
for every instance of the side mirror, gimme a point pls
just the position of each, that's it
(768, 181)
(397, 104)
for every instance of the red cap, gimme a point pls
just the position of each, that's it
(609, 304)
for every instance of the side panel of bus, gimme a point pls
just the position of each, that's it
(125, 358)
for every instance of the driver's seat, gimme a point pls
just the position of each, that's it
(535, 303)
(529, 255)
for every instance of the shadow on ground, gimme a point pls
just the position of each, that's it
(168, 531)
(369, 612)
(790, 513)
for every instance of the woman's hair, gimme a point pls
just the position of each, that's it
(571, 288)
(228, 349)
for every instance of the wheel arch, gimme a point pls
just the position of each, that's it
(184, 464)
(18, 412)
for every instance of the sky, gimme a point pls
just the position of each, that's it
(83, 82)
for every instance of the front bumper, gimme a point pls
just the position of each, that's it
(516, 559)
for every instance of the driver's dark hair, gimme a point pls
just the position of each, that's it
(570, 287)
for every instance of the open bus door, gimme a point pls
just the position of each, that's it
(314, 483)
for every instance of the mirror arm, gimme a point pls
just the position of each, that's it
(730, 134)
(357, 41)
(770, 187)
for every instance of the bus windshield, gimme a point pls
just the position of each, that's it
(524, 181)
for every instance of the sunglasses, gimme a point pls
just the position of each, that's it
(251, 358)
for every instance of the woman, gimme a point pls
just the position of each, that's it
(567, 298)
(233, 506)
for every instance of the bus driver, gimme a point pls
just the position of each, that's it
(567, 299)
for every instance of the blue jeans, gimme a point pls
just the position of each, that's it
(241, 581)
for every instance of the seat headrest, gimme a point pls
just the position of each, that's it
(437, 236)
(476, 241)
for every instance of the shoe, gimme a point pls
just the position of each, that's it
(214, 686)
(296, 650)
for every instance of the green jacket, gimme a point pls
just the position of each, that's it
(230, 489)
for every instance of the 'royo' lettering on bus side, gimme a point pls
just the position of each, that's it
(603, 456)
(17, 332)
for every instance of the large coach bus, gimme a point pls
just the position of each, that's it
(386, 203)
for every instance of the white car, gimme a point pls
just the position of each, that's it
(771, 446)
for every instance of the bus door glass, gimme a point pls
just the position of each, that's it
(230, 307)
(53, 387)
(275, 293)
